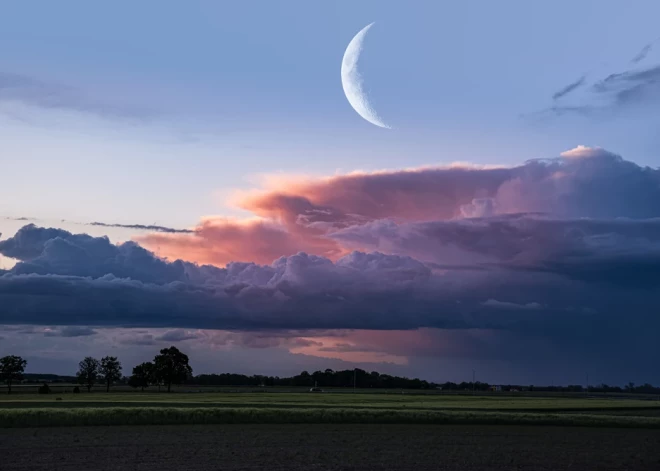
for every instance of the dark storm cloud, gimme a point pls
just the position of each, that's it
(56, 251)
(359, 291)
(568, 247)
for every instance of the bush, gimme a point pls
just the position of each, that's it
(44, 389)
(76, 390)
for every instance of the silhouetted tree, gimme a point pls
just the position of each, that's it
(143, 375)
(172, 367)
(11, 369)
(88, 372)
(110, 371)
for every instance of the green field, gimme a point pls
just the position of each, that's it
(25, 410)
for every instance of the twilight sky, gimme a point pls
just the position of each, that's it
(191, 173)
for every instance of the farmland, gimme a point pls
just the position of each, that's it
(122, 408)
(336, 429)
(294, 447)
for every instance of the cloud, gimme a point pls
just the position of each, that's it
(177, 335)
(58, 252)
(136, 339)
(555, 253)
(360, 290)
(220, 241)
(611, 89)
(22, 218)
(641, 55)
(142, 227)
(303, 215)
(138, 227)
(507, 305)
(49, 95)
(71, 331)
(569, 88)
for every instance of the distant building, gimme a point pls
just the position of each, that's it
(496, 388)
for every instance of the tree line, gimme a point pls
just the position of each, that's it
(171, 366)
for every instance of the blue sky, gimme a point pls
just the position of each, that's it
(157, 112)
(184, 101)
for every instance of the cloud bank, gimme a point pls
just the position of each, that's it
(559, 253)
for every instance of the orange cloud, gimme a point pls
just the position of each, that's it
(294, 214)
(218, 241)
(299, 214)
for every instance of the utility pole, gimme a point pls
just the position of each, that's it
(473, 372)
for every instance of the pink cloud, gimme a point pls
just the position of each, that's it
(219, 241)
(304, 214)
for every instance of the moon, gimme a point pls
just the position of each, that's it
(352, 81)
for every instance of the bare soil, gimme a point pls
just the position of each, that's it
(329, 447)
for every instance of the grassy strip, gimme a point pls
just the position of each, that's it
(521, 407)
(176, 415)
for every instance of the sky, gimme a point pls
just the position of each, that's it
(192, 173)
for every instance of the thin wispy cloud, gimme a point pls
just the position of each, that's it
(569, 88)
(633, 84)
(142, 227)
(54, 96)
(136, 227)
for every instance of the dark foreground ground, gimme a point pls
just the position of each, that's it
(329, 447)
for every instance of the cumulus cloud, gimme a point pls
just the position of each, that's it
(303, 215)
(565, 251)
(220, 241)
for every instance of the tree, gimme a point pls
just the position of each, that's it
(88, 372)
(143, 375)
(171, 367)
(110, 371)
(11, 369)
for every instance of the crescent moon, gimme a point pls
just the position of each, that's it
(352, 81)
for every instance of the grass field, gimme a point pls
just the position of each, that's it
(32, 410)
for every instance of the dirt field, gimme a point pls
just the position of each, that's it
(329, 447)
